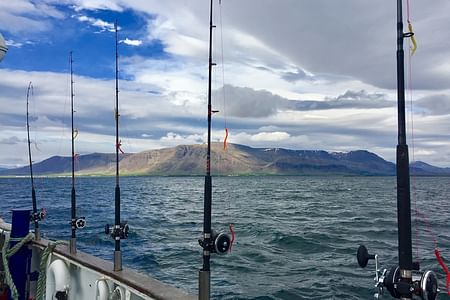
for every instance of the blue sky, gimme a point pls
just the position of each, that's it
(91, 42)
(295, 74)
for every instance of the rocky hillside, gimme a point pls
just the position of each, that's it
(236, 160)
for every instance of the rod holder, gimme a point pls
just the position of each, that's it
(204, 283)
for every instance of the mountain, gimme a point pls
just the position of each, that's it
(422, 168)
(90, 163)
(236, 160)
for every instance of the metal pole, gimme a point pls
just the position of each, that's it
(117, 252)
(403, 182)
(73, 239)
(204, 274)
(37, 232)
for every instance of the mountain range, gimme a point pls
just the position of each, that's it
(190, 160)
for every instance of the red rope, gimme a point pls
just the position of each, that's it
(118, 147)
(232, 236)
(225, 139)
(444, 267)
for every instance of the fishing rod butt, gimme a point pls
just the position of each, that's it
(37, 234)
(117, 260)
(73, 246)
(204, 284)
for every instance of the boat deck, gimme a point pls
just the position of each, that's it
(142, 285)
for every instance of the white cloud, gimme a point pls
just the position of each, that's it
(103, 25)
(270, 136)
(292, 50)
(25, 16)
(12, 43)
(80, 5)
(131, 42)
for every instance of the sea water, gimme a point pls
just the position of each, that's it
(295, 237)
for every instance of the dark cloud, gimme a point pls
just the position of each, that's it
(250, 103)
(438, 104)
(355, 38)
(360, 95)
(12, 120)
(295, 76)
(13, 140)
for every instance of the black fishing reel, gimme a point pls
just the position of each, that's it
(78, 223)
(38, 216)
(118, 231)
(424, 285)
(219, 243)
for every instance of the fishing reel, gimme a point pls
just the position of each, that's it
(118, 231)
(219, 243)
(38, 216)
(424, 285)
(78, 223)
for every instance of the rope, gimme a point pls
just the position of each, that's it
(232, 237)
(444, 267)
(7, 253)
(40, 289)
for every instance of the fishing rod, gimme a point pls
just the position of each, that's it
(212, 241)
(36, 215)
(404, 281)
(120, 230)
(76, 223)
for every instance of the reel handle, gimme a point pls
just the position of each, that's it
(363, 256)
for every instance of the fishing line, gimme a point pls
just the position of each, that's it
(35, 116)
(228, 201)
(411, 122)
(126, 138)
(65, 116)
(412, 137)
(420, 216)
(223, 77)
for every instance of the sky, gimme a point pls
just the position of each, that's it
(298, 74)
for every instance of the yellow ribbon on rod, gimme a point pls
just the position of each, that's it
(413, 39)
